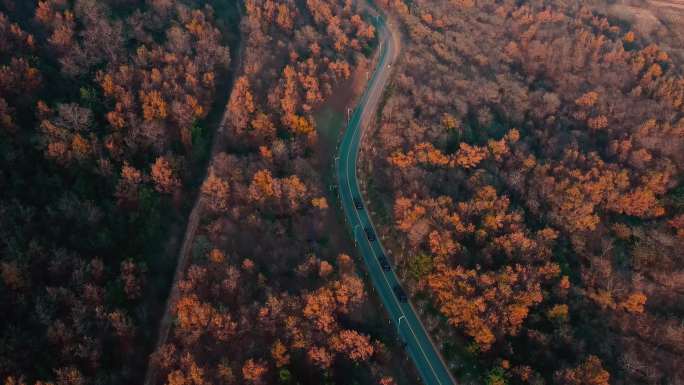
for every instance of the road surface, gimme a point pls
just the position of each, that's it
(426, 357)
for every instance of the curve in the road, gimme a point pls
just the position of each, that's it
(422, 350)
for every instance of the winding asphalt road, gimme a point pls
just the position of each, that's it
(422, 350)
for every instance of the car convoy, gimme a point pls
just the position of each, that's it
(382, 260)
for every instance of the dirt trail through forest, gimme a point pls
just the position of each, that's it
(194, 217)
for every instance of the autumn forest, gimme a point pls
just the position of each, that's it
(169, 214)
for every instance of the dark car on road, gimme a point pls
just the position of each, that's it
(400, 293)
(384, 263)
(358, 204)
(370, 234)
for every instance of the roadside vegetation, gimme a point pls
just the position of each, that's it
(530, 155)
(269, 297)
(106, 117)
